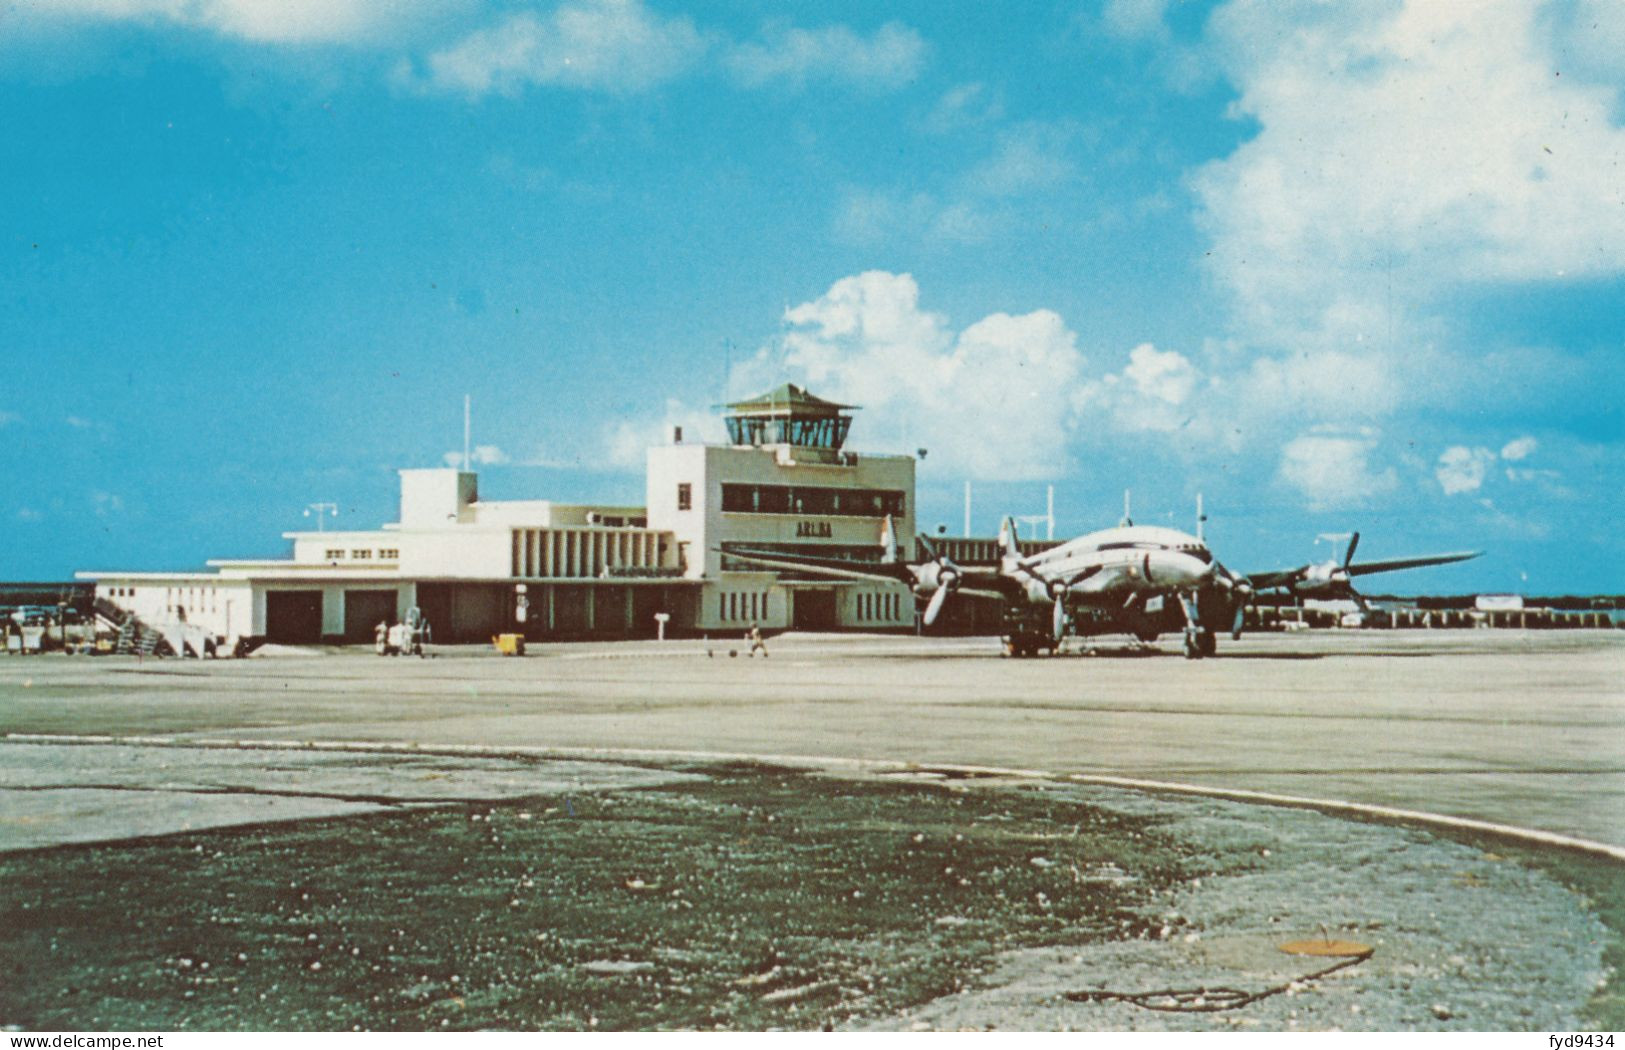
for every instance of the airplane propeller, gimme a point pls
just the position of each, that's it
(941, 575)
(1058, 589)
(1241, 595)
(1348, 559)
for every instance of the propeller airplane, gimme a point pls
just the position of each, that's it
(1142, 580)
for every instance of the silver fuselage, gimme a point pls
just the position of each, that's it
(1114, 564)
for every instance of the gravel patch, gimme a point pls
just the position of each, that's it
(1462, 939)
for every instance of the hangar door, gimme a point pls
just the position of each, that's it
(293, 617)
(364, 611)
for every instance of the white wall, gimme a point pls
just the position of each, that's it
(437, 497)
(706, 467)
(311, 548)
(221, 607)
(465, 552)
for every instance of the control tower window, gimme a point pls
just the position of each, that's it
(788, 415)
(685, 496)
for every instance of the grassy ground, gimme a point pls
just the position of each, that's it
(756, 899)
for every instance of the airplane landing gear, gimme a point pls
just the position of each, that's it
(1199, 641)
(1023, 645)
(1027, 632)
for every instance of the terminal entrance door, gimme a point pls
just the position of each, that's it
(813, 609)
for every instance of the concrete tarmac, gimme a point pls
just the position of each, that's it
(1517, 728)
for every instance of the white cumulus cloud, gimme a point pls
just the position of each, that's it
(1519, 448)
(1405, 149)
(991, 400)
(1135, 19)
(1150, 394)
(628, 441)
(964, 106)
(1332, 468)
(876, 216)
(478, 456)
(1030, 156)
(890, 57)
(617, 46)
(1462, 469)
(263, 21)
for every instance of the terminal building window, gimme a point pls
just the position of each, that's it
(334, 555)
(685, 496)
(811, 500)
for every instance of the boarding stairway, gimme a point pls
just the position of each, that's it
(137, 637)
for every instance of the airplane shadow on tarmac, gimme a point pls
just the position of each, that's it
(1136, 652)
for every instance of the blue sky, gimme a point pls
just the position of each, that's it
(1336, 266)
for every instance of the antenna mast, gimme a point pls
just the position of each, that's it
(467, 409)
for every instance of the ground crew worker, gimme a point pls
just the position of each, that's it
(755, 639)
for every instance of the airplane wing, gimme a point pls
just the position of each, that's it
(848, 569)
(1363, 567)
(840, 568)
(1264, 581)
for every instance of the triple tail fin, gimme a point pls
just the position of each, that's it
(888, 542)
(1008, 541)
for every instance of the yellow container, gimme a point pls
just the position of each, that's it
(510, 644)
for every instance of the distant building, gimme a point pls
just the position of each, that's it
(476, 568)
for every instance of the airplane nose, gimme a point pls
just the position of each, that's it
(1175, 567)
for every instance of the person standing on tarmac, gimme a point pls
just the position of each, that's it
(754, 636)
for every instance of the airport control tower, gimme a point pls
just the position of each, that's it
(788, 415)
(785, 482)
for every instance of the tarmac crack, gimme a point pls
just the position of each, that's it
(1203, 999)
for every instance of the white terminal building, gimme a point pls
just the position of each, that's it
(476, 568)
